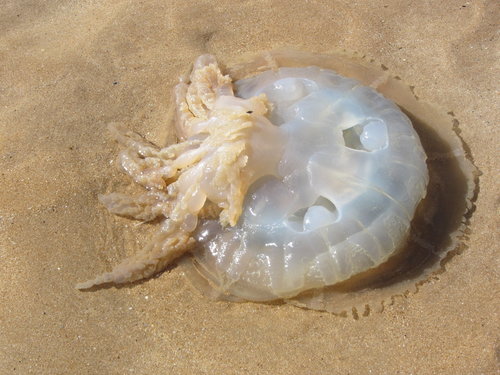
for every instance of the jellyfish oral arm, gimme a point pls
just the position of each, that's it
(226, 144)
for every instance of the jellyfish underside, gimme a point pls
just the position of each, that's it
(392, 192)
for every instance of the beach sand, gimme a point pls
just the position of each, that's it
(68, 68)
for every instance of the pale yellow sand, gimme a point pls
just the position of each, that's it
(67, 68)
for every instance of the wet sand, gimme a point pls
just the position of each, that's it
(68, 68)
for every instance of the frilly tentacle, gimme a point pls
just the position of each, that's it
(202, 176)
(145, 207)
(162, 250)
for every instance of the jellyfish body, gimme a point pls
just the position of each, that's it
(345, 190)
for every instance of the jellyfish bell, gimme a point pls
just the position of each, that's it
(438, 226)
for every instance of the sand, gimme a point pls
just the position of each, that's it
(68, 68)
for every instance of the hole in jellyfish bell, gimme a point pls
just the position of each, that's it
(320, 214)
(370, 135)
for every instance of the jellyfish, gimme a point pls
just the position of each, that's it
(290, 181)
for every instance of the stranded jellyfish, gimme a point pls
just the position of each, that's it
(297, 178)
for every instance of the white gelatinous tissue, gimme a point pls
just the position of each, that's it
(340, 200)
